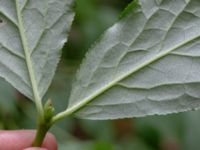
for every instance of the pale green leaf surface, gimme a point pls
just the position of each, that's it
(147, 63)
(39, 38)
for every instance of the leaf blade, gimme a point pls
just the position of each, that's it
(32, 26)
(158, 29)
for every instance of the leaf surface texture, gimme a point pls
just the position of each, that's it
(147, 63)
(32, 34)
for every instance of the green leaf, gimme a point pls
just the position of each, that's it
(32, 34)
(147, 63)
(129, 8)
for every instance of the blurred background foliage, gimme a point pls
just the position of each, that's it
(173, 132)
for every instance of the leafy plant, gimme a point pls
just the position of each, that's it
(145, 64)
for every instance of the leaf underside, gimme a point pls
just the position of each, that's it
(39, 38)
(147, 63)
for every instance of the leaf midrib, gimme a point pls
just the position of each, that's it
(28, 60)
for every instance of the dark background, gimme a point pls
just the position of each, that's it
(173, 132)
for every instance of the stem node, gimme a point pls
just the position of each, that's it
(44, 124)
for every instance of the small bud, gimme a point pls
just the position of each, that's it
(48, 110)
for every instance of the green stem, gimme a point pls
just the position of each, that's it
(42, 130)
(44, 124)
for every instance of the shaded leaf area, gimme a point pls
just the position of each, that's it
(32, 34)
(145, 64)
